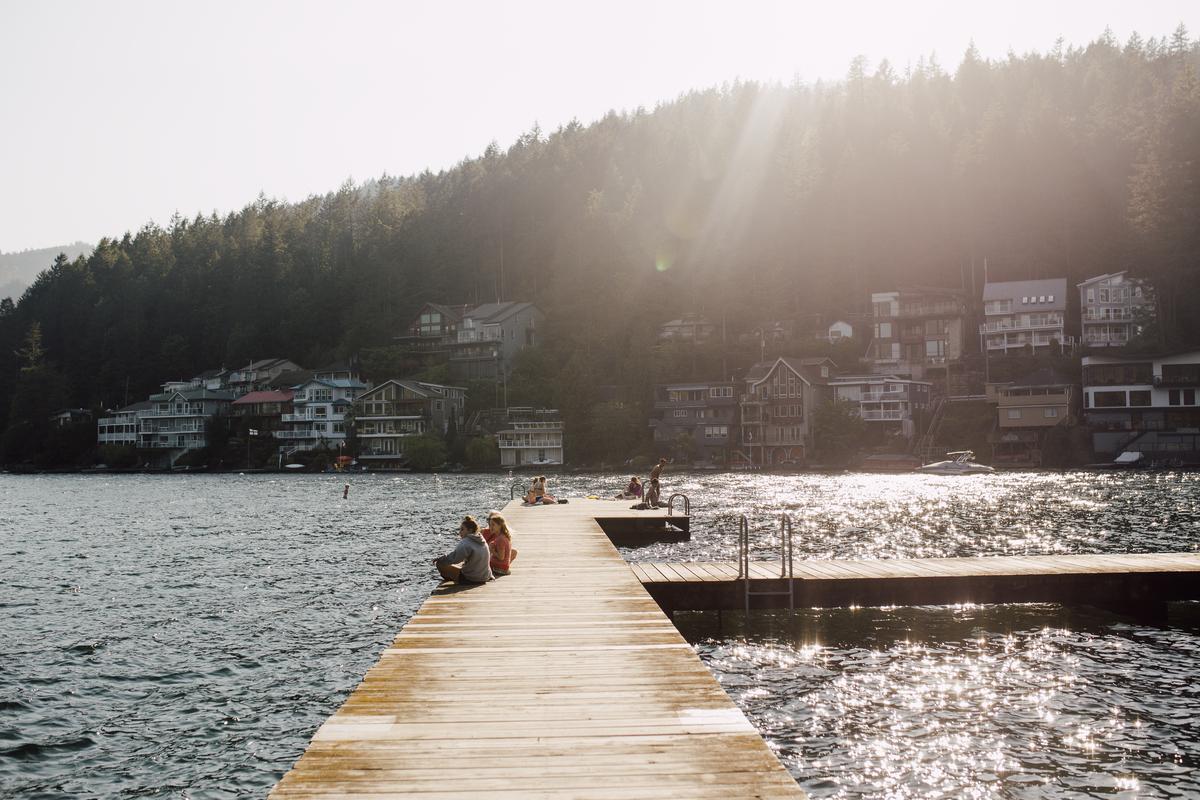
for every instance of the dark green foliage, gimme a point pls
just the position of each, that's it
(839, 432)
(745, 203)
(426, 452)
(482, 451)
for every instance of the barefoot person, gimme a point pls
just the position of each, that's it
(468, 562)
(499, 539)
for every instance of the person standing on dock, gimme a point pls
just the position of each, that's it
(468, 562)
(654, 491)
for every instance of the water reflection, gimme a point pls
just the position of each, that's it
(989, 701)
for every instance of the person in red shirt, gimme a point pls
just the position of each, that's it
(499, 541)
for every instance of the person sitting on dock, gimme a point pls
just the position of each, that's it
(538, 494)
(468, 562)
(633, 491)
(653, 494)
(499, 540)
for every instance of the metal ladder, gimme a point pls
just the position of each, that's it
(687, 504)
(785, 561)
(515, 489)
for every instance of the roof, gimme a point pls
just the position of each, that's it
(263, 397)
(195, 394)
(211, 373)
(286, 380)
(1101, 277)
(267, 363)
(141, 405)
(759, 372)
(336, 383)
(489, 313)
(1015, 290)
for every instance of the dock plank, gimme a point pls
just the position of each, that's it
(593, 692)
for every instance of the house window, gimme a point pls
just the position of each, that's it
(1014, 413)
(935, 349)
(1140, 397)
(1025, 300)
(883, 330)
(1050, 413)
(1108, 399)
(437, 405)
(681, 412)
(716, 431)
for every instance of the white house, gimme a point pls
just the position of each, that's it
(1111, 306)
(531, 437)
(318, 415)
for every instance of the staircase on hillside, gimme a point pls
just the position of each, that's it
(925, 445)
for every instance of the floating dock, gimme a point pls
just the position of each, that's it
(1139, 584)
(562, 680)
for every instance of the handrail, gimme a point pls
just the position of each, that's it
(786, 561)
(514, 488)
(687, 504)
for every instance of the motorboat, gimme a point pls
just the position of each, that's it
(958, 462)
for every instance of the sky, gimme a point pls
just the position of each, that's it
(117, 113)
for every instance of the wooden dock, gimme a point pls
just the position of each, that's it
(562, 680)
(1140, 584)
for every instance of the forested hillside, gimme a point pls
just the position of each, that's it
(744, 202)
(19, 269)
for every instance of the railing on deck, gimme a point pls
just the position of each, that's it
(687, 504)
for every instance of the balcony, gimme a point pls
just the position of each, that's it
(535, 426)
(885, 397)
(517, 443)
(1105, 339)
(1176, 381)
(1107, 315)
(1031, 324)
(884, 416)
(945, 309)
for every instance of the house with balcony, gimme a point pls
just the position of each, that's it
(177, 419)
(257, 375)
(1024, 316)
(477, 342)
(893, 405)
(704, 414)
(319, 415)
(1146, 404)
(917, 332)
(263, 410)
(775, 410)
(1113, 307)
(1026, 410)
(121, 426)
(530, 437)
(390, 415)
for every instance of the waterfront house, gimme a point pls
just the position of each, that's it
(891, 404)
(1112, 309)
(1143, 403)
(704, 414)
(531, 437)
(917, 332)
(178, 417)
(1024, 316)
(1026, 410)
(388, 416)
(776, 406)
(318, 418)
(121, 427)
(263, 410)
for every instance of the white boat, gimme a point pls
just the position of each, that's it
(959, 462)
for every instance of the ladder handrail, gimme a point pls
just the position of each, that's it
(687, 504)
(786, 561)
(514, 488)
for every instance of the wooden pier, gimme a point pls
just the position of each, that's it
(562, 680)
(1139, 584)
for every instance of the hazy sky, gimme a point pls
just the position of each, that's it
(119, 112)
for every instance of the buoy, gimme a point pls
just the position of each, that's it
(346, 492)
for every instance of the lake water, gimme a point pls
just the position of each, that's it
(184, 636)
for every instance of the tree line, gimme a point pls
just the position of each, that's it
(745, 203)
